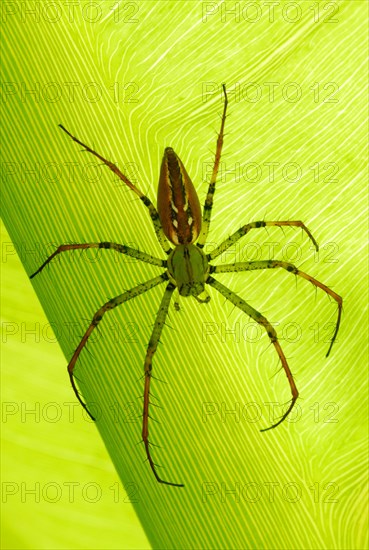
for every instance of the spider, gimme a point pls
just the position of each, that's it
(178, 221)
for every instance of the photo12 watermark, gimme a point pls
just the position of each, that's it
(272, 91)
(221, 413)
(70, 11)
(270, 11)
(69, 492)
(252, 492)
(68, 92)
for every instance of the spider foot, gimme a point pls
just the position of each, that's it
(283, 417)
(79, 396)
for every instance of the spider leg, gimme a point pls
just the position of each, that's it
(272, 264)
(105, 245)
(259, 318)
(211, 190)
(151, 349)
(242, 231)
(111, 304)
(152, 210)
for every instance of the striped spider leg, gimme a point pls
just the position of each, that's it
(251, 312)
(261, 320)
(130, 294)
(178, 220)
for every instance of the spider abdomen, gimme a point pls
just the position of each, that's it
(178, 204)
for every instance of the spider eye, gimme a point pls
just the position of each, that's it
(191, 289)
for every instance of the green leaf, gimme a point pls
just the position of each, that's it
(130, 82)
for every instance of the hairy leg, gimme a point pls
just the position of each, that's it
(263, 321)
(242, 231)
(105, 245)
(151, 349)
(273, 264)
(152, 210)
(108, 306)
(211, 190)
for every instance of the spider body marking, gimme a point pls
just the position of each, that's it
(180, 217)
(178, 221)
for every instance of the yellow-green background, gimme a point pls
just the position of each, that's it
(166, 52)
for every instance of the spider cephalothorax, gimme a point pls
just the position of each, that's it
(178, 220)
(188, 269)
